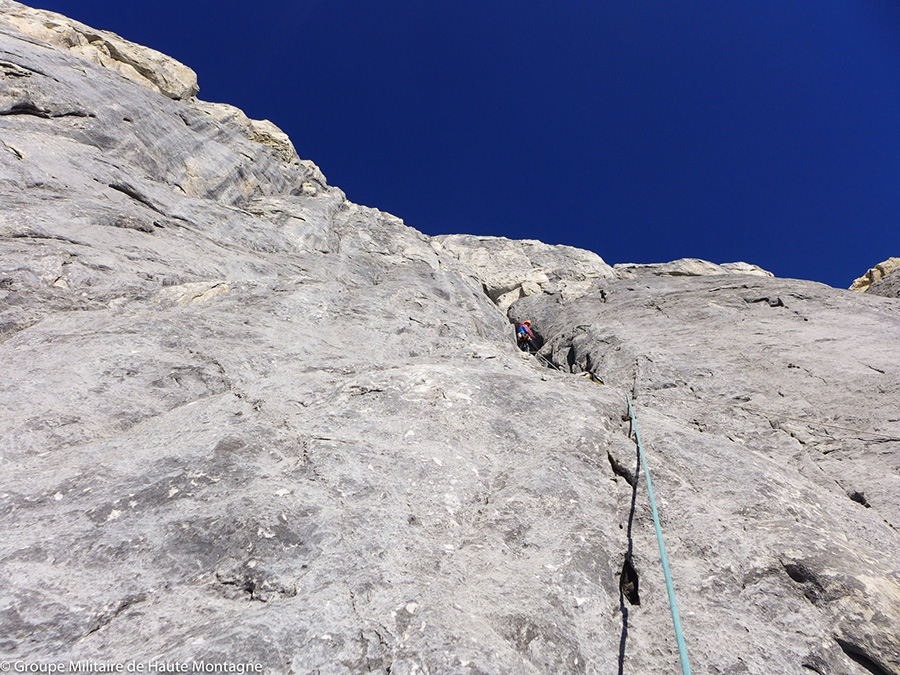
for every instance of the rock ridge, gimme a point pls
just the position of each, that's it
(143, 65)
(510, 269)
(687, 267)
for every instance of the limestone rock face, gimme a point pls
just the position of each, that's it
(261, 131)
(512, 269)
(888, 286)
(687, 267)
(875, 274)
(142, 65)
(248, 421)
(772, 418)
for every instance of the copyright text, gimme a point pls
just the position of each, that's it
(151, 667)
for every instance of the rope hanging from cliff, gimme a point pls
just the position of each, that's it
(679, 635)
(547, 362)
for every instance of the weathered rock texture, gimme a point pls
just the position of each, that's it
(687, 267)
(247, 420)
(145, 66)
(773, 412)
(887, 286)
(510, 269)
(875, 274)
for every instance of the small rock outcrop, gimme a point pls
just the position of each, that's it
(875, 274)
(512, 269)
(888, 286)
(261, 131)
(251, 426)
(687, 267)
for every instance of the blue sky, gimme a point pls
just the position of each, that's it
(761, 130)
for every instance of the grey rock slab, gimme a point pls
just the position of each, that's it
(769, 408)
(248, 420)
(888, 286)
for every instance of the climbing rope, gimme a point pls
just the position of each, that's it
(679, 636)
(547, 362)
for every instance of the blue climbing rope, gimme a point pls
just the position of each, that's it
(679, 635)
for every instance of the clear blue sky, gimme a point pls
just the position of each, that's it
(760, 130)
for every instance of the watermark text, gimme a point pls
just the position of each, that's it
(148, 667)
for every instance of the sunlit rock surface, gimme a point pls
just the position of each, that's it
(247, 420)
(883, 279)
(687, 267)
(145, 66)
(511, 269)
(875, 274)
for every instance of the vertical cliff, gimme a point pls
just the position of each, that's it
(248, 421)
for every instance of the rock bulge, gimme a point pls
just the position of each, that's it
(870, 280)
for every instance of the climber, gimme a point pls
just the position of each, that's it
(525, 337)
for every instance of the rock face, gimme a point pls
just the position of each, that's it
(888, 286)
(875, 274)
(687, 267)
(140, 64)
(775, 422)
(248, 421)
(509, 270)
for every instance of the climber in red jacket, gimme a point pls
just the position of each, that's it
(525, 337)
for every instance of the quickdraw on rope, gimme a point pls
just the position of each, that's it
(679, 636)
